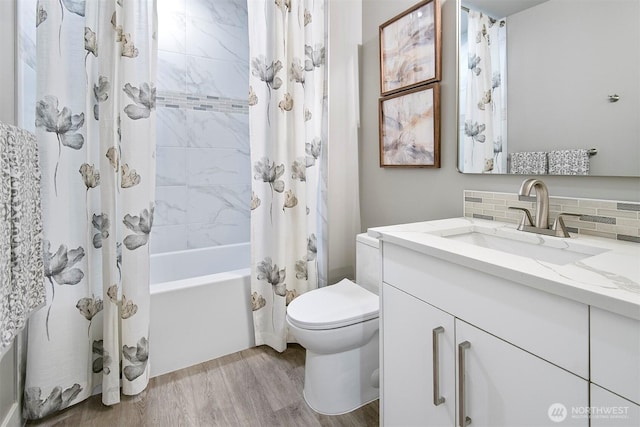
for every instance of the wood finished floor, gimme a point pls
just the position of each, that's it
(254, 387)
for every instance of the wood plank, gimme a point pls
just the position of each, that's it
(276, 375)
(214, 405)
(173, 398)
(95, 414)
(251, 406)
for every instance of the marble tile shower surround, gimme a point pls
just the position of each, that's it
(603, 218)
(184, 73)
(203, 47)
(203, 183)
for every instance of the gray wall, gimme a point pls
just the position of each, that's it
(391, 196)
(343, 205)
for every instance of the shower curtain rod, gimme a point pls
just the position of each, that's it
(502, 22)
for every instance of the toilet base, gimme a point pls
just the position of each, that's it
(338, 383)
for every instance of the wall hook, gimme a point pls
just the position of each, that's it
(614, 98)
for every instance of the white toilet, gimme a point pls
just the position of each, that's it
(338, 326)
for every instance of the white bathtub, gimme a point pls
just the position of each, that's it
(200, 306)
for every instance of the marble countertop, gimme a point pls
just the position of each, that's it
(609, 280)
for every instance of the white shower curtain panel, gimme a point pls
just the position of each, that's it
(95, 125)
(288, 136)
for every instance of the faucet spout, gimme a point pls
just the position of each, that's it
(542, 200)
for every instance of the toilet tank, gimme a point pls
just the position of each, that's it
(368, 269)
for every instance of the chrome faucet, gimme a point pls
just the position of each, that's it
(542, 200)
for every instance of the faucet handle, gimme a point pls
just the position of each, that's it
(559, 226)
(526, 217)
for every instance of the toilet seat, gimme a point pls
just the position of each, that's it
(335, 306)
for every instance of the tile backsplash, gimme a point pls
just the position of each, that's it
(603, 218)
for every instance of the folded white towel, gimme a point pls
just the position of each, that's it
(569, 162)
(528, 163)
(21, 265)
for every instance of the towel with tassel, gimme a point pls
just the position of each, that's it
(21, 265)
(528, 163)
(569, 162)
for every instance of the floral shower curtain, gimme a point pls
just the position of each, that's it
(485, 127)
(95, 125)
(288, 135)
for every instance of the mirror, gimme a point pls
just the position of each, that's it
(568, 81)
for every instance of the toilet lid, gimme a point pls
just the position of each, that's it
(335, 306)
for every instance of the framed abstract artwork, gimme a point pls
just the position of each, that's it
(410, 48)
(410, 128)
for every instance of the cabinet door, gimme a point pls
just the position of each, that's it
(615, 353)
(611, 410)
(411, 394)
(502, 385)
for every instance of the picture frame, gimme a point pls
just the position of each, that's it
(409, 124)
(411, 48)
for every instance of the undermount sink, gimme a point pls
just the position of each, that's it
(553, 250)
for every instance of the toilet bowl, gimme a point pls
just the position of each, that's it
(338, 327)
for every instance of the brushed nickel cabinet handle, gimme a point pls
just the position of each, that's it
(463, 419)
(437, 399)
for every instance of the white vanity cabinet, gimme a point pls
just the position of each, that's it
(425, 352)
(615, 369)
(506, 354)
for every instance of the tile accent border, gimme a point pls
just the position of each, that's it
(602, 218)
(190, 101)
